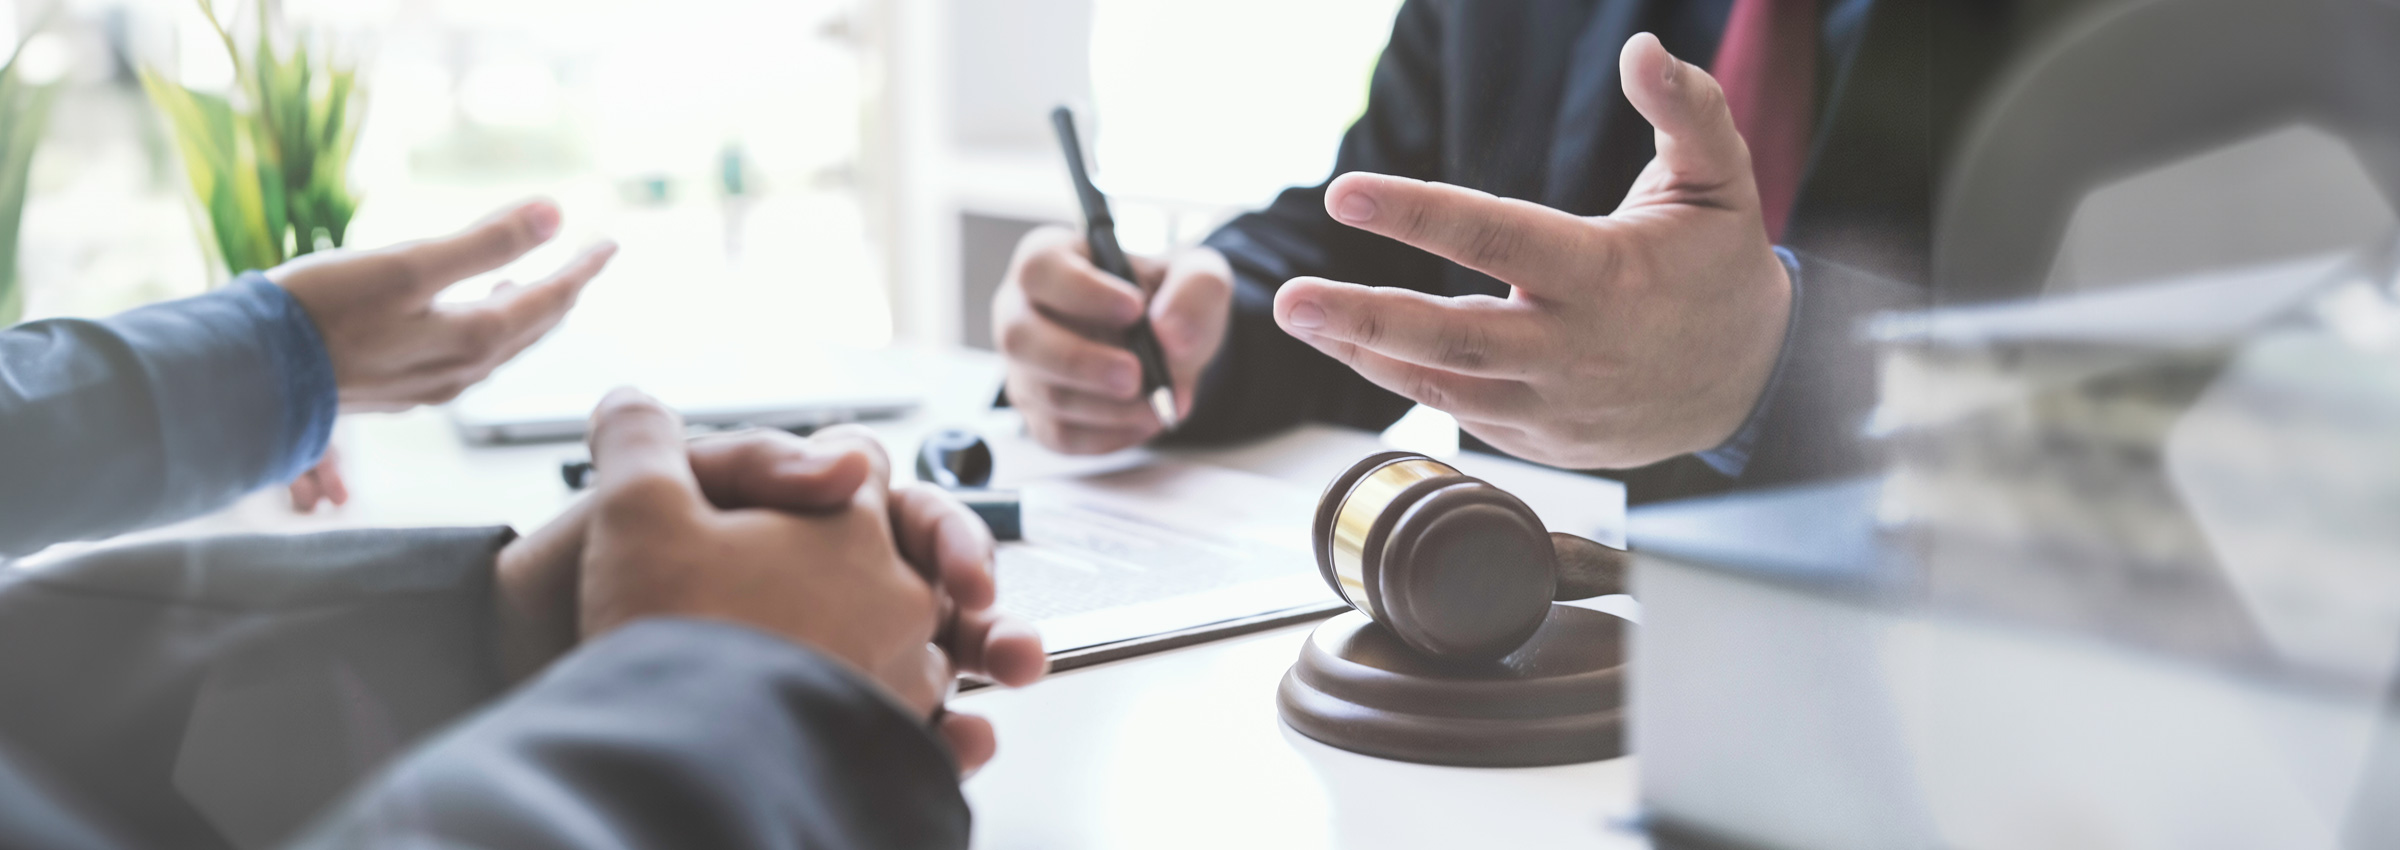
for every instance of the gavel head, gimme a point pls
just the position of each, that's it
(1454, 567)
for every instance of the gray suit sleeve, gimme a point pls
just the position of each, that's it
(156, 414)
(671, 734)
(220, 692)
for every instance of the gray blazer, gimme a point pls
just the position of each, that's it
(341, 689)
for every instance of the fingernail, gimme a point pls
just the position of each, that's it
(1355, 208)
(543, 217)
(1307, 316)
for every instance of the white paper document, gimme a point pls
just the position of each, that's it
(1158, 548)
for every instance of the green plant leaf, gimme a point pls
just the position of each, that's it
(270, 179)
(24, 113)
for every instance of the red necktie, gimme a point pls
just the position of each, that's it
(1768, 66)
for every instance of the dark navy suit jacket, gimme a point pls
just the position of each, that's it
(1520, 98)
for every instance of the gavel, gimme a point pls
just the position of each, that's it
(1455, 567)
(1455, 652)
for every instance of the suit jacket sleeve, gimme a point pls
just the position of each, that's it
(220, 692)
(672, 734)
(1264, 380)
(1811, 422)
(156, 414)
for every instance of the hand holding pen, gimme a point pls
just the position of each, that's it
(1071, 328)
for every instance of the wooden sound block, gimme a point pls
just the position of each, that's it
(1558, 699)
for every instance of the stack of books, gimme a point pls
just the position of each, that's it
(2208, 466)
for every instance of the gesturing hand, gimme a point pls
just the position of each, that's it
(393, 348)
(1627, 339)
(1062, 321)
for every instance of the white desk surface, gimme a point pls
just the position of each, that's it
(1179, 749)
(1184, 749)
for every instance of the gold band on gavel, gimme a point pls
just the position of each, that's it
(1366, 501)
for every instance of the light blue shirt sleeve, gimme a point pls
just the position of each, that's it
(157, 414)
(1733, 456)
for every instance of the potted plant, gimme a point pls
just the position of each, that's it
(24, 110)
(269, 164)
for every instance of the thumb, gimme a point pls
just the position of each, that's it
(639, 455)
(1697, 142)
(1189, 315)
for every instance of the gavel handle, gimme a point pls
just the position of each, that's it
(1587, 569)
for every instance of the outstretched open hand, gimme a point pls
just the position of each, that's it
(1627, 338)
(393, 348)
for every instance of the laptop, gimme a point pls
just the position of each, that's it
(549, 393)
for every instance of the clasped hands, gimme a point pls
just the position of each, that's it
(1625, 339)
(802, 538)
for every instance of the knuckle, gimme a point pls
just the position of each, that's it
(641, 498)
(858, 439)
(756, 450)
(518, 237)
(1418, 221)
(413, 268)
(1369, 328)
(1046, 273)
(1017, 336)
(1489, 242)
(1426, 391)
(484, 330)
(1464, 345)
(773, 443)
(1215, 284)
(1039, 266)
(1712, 97)
(915, 597)
(1093, 364)
(626, 405)
(1089, 363)
(400, 266)
(1061, 399)
(1345, 352)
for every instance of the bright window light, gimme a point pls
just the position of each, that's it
(1228, 102)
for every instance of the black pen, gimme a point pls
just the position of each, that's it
(1100, 230)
